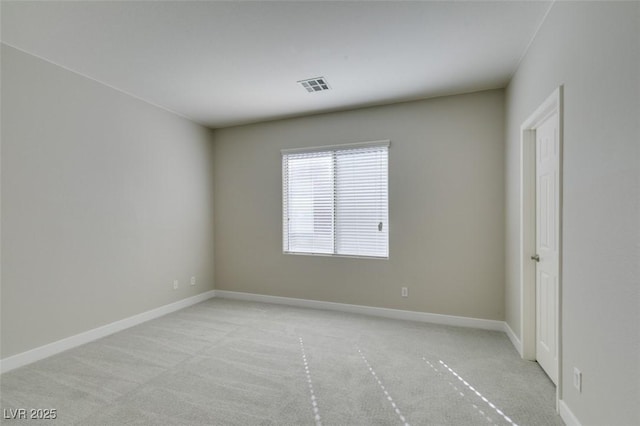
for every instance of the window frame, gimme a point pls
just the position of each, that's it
(332, 148)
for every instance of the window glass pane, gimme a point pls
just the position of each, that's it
(310, 203)
(361, 202)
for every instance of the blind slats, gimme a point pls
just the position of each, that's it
(336, 201)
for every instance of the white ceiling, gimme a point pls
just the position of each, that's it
(227, 63)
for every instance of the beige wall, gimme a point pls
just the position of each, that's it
(105, 201)
(593, 49)
(446, 170)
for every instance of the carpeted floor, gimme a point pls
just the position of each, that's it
(228, 362)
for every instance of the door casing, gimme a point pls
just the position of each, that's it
(553, 104)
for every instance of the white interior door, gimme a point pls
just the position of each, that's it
(547, 241)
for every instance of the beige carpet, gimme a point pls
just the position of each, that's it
(226, 362)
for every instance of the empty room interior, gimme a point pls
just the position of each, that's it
(318, 212)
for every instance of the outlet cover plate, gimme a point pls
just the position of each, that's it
(577, 379)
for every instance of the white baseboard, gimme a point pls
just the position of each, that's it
(567, 415)
(367, 310)
(33, 355)
(514, 339)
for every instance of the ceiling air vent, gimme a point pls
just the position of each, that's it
(317, 84)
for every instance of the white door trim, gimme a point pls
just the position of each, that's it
(550, 106)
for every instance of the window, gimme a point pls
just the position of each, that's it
(335, 200)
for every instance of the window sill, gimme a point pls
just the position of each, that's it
(348, 256)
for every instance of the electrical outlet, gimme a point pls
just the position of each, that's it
(175, 284)
(577, 379)
(193, 280)
(405, 292)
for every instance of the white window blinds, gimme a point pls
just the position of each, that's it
(335, 200)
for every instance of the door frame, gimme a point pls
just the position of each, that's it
(553, 104)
